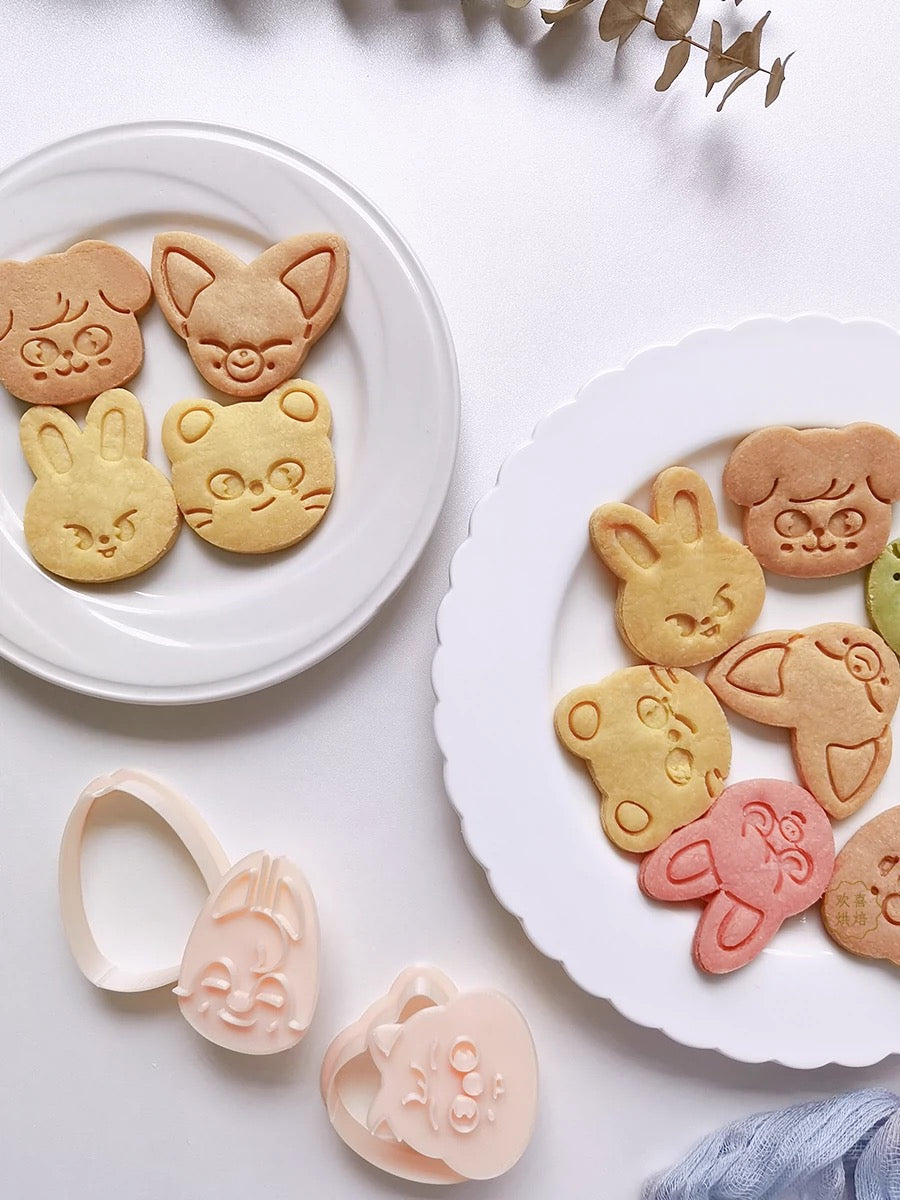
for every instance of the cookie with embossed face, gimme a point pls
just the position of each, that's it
(687, 591)
(835, 687)
(817, 501)
(657, 746)
(253, 477)
(883, 595)
(861, 908)
(68, 323)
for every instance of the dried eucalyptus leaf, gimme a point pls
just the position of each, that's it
(676, 61)
(717, 67)
(620, 18)
(776, 79)
(746, 48)
(552, 15)
(747, 73)
(675, 19)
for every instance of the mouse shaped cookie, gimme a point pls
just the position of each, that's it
(253, 477)
(817, 501)
(657, 746)
(687, 590)
(98, 511)
(836, 688)
(68, 323)
(861, 908)
(249, 326)
(763, 853)
(883, 595)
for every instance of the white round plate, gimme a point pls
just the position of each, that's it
(204, 624)
(529, 615)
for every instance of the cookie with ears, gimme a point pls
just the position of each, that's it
(657, 746)
(249, 326)
(68, 323)
(257, 476)
(763, 853)
(687, 591)
(98, 511)
(817, 501)
(861, 908)
(835, 687)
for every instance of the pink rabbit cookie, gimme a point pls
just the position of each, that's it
(763, 853)
(249, 976)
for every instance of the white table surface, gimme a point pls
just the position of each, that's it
(568, 216)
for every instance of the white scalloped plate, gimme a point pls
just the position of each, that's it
(203, 624)
(530, 614)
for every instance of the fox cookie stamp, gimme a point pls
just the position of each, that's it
(763, 853)
(817, 501)
(861, 908)
(98, 511)
(433, 1084)
(249, 326)
(253, 477)
(68, 323)
(657, 746)
(687, 590)
(883, 595)
(836, 687)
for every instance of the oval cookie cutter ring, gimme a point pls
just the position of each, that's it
(248, 978)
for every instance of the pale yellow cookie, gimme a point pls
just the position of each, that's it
(657, 746)
(688, 591)
(98, 511)
(256, 476)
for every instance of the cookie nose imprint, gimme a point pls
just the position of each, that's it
(244, 364)
(239, 1002)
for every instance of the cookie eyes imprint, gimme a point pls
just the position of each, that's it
(795, 524)
(123, 531)
(707, 626)
(284, 476)
(74, 355)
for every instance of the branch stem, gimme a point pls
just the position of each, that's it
(699, 46)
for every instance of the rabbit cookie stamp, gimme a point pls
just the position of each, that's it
(248, 978)
(657, 747)
(68, 323)
(817, 501)
(763, 853)
(453, 1093)
(98, 511)
(883, 595)
(861, 908)
(687, 591)
(253, 477)
(249, 326)
(836, 687)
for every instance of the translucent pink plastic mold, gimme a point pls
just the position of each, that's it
(433, 1084)
(248, 979)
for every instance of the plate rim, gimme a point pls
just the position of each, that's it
(354, 622)
(808, 1061)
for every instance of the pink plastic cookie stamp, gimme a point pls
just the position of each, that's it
(248, 979)
(433, 1084)
(763, 853)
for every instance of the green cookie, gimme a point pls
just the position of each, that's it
(883, 595)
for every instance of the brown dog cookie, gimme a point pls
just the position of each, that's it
(68, 324)
(249, 326)
(818, 501)
(861, 908)
(836, 688)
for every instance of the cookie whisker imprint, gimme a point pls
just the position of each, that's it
(257, 476)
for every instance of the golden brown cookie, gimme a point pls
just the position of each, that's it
(817, 501)
(687, 591)
(249, 326)
(861, 908)
(68, 324)
(836, 687)
(98, 511)
(657, 746)
(253, 477)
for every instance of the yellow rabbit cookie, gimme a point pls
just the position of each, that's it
(98, 510)
(256, 476)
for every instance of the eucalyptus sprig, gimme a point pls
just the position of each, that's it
(673, 23)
